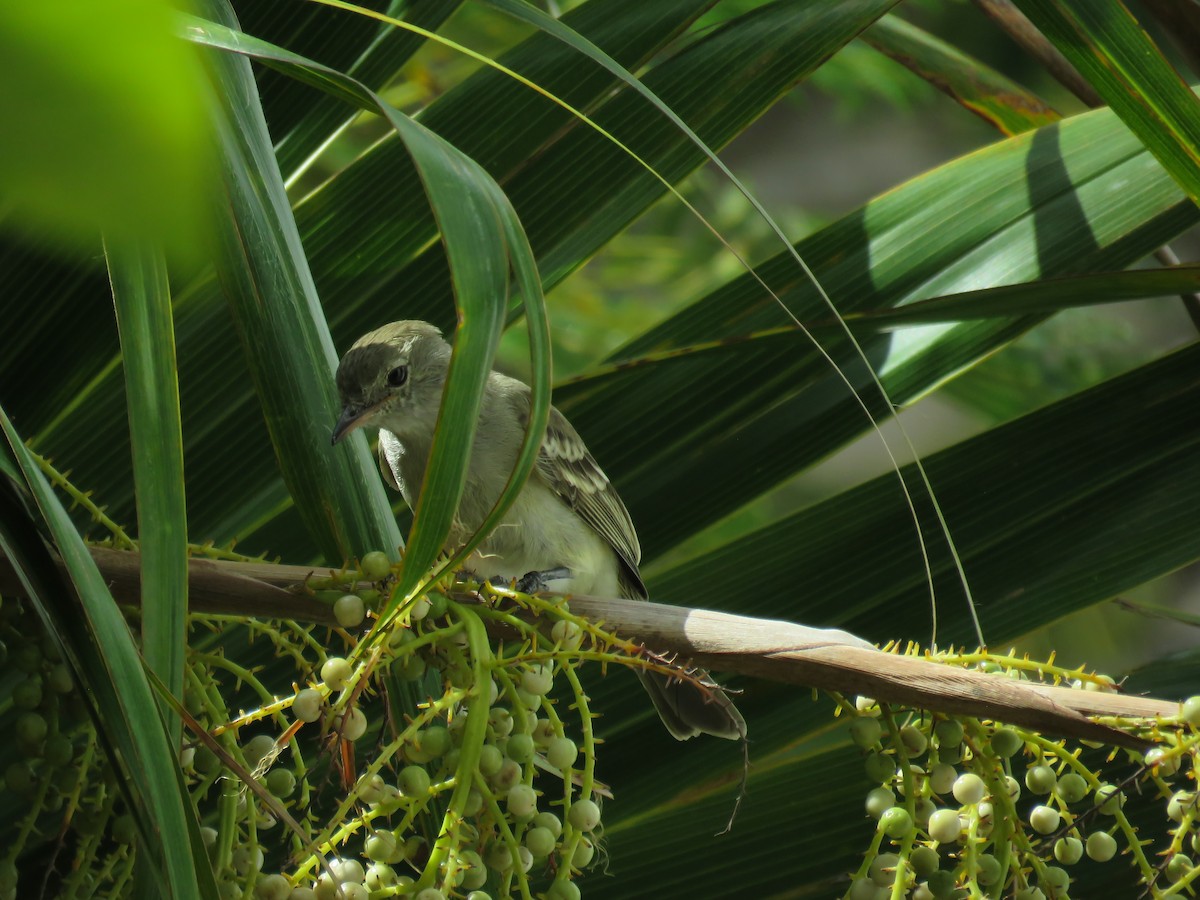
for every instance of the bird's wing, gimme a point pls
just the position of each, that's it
(385, 466)
(568, 469)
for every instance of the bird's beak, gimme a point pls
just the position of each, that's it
(350, 419)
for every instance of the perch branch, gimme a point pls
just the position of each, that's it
(776, 650)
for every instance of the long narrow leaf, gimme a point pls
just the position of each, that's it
(142, 298)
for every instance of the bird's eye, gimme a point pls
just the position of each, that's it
(397, 376)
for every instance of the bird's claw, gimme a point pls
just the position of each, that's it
(533, 582)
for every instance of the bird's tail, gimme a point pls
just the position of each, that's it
(688, 710)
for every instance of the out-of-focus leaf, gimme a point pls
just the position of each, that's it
(993, 97)
(105, 123)
(1109, 48)
(142, 298)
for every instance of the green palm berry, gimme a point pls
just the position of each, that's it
(968, 788)
(540, 841)
(247, 859)
(1109, 798)
(549, 821)
(380, 876)
(1071, 787)
(273, 887)
(354, 724)
(522, 802)
(584, 815)
(949, 733)
(567, 634)
(914, 740)
(519, 748)
(944, 826)
(31, 729)
(879, 801)
(1006, 742)
(58, 751)
(563, 890)
(27, 693)
(561, 753)
(1040, 779)
(1189, 711)
(500, 721)
(896, 822)
(413, 782)
(1163, 764)
(508, 776)
(490, 760)
(375, 565)
(1178, 867)
(61, 680)
(1068, 850)
(1101, 846)
(585, 850)
(538, 678)
(1055, 878)
(924, 860)
(381, 846)
(349, 610)
(431, 894)
(281, 782)
(942, 778)
(306, 705)
(865, 731)
(880, 767)
(474, 871)
(882, 870)
(336, 672)
(1181, 803)
(941, 884)
(990, 871)
(1044, 819)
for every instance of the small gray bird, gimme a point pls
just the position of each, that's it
(568, 516)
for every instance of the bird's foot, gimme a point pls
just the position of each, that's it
(533, 582)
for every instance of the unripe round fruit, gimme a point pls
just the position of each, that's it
(413, 782)
(567, 634)
(354, 724)
(1190, 711)
(879, 801)
(1181, 802)
(501, 721)
(431, 743)
(538, 679)
(924, 860)
(1110, 799)
(508, 776)
(540, 841)
(349, 610)
(584, 815)
(865, 731)
(1071, 787)
(990, 871)
(563, 890)
(490, 760)
(31, 729)
(562, 753)
(942, 778)
(880, 767)
(281, 782)
(348, 870)
(380, 876)
(375, 565)
(336, 672)
(1164, 765)
(273, 887)
(431, 894)
(519, 748)
(1101, 846)
(969, 788)
(549, 821)
(1006, 743)
(257, 749)
(1044, 819)
(522, 802)
(1056, 879)
(914, 740)
(883, 869)
(949, 733)
(1068, 850)
(27, 694)
(307, 705)
(944, 826)
(896, 822)
(380, 846)
(1178, 867)
(584, 851)
(941, 884)
(1040, 779)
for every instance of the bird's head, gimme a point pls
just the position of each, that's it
(392, 378)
